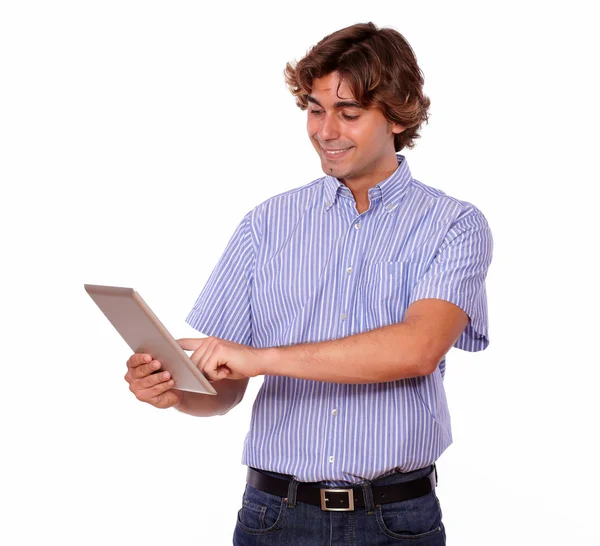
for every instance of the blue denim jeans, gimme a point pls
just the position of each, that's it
(267, 520)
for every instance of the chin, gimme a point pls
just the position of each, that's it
(331, 170)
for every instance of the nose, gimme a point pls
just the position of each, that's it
(328, 128)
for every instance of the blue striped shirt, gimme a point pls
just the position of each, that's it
(304, 267)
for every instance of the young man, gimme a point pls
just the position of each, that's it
(346, 294)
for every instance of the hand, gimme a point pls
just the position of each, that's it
(155, 389)
(221, 359)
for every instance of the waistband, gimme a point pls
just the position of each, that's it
(396, 487)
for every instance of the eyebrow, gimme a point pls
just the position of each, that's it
(339, 104)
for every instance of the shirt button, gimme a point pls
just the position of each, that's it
(334, 412)
(331, 458)
(357, 226)
(389, 207)
(349, 270)
(343, 316)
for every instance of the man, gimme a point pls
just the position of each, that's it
(346, 294)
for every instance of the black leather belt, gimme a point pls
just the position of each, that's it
(343, 500)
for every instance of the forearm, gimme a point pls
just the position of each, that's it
(229, 394)
(385, 354)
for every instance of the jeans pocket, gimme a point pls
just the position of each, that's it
(261, 512)
(411, 520)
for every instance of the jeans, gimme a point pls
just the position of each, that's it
(267, 520)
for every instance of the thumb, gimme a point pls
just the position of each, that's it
(190, 344)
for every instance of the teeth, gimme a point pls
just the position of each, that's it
(336, 152)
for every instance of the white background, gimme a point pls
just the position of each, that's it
(134, 136)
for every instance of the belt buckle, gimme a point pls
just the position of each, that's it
(325, 500)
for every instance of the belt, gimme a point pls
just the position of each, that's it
(343, 500)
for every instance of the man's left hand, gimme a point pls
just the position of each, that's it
(221, 359)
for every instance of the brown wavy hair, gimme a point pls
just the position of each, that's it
(380, 68)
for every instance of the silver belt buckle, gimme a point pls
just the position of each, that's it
(325, 500)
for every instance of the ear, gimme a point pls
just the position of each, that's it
(397, 129)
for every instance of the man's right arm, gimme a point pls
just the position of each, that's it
(157, 389)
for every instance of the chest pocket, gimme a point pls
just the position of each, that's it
(386, 291)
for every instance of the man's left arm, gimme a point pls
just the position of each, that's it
(447, 307)
(411, 348)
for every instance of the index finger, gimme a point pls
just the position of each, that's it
(138, 359)
(190, 344)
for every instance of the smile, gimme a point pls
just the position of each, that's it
(335, 153)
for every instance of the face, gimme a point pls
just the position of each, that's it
(355, 144)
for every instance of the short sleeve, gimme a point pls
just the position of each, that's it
(457, 274)
(223, 307)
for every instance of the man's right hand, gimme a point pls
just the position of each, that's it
(154, 388)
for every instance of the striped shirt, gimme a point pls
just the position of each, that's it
(304, 267)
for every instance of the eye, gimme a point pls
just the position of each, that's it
(316, 112)
(349, 118)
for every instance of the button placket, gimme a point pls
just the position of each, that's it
(348, 283)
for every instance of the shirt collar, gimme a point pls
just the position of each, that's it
(391, 190)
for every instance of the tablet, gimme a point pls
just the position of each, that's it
(144, 333)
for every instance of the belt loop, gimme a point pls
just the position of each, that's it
(368, 495)
(292, 489)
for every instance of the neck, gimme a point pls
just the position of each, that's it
(360, 186)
